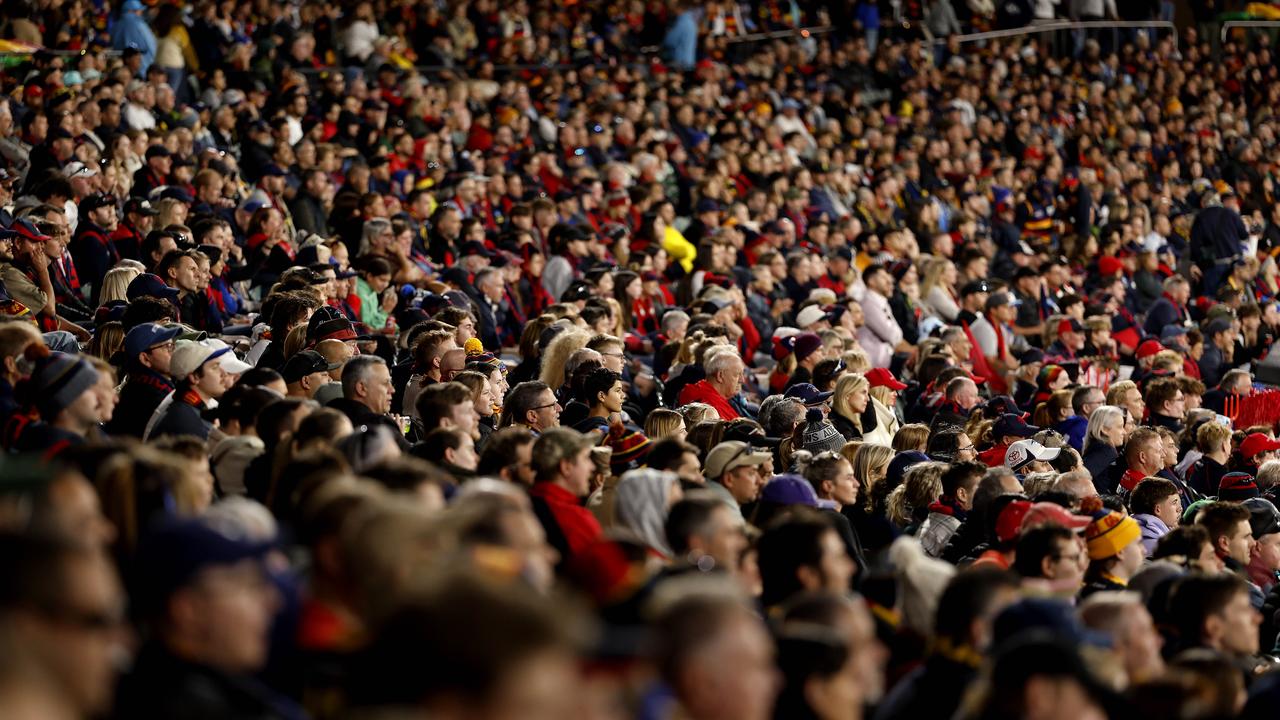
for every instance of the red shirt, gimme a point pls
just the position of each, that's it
(579, 527)
(702, 392)
(993, 457)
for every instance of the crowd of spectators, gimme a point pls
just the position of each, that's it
(605, 360)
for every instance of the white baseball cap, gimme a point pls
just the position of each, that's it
(1023, 452)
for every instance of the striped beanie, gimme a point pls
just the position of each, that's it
(58, 380)
(1237, 487)
(1109, 533)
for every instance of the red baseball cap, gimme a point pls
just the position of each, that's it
(1148, 348)
(1010, 521)
(1047, 513)
(1255, 443)
(881, 377)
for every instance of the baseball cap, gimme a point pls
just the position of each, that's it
(881, 377)
(733, 454)
(1002, 298)
(1047, 513)
(148, 284)
(26, 229)
(808, 394)
(1171, 332)
(975, 286)
(190, 355)
(809, 316)
(93, 201)
(304, 363)
(177, 549)
(1148, 348)
(227, 357)
(79, 169)
(1011, 424)
(1066, 325)
(1255, 443)
(146, 336)
(1216, 326)
(1023, 452)
(1053, 615)
(1009, 522)
(141, 206)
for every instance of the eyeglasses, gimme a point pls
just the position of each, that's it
(967, 448)
(544, 407)
(163, 346)
(614, 354)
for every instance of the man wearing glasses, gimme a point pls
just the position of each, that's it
(736, 471)
(148, 348)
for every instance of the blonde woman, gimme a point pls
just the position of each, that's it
(938, 296)
(107, 339)
(115, 283)
(885, 400)
(911, 438)
(697, 412)
(664, 423)
(854, 413)
(868, 516)
(908, 504)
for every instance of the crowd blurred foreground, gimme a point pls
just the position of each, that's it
(637, 360)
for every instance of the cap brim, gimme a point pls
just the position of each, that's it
(821, 398)
(233, 364)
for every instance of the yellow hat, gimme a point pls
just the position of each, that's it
(1109, 533)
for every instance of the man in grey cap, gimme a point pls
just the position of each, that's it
(736, 471)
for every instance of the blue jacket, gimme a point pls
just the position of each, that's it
(131, 30)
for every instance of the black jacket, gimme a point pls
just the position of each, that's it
(141, 395)
(1097, 459)
(162, 686)
(182, 418)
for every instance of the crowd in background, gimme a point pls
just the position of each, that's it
(603, 359)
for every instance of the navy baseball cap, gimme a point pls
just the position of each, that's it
(178, 549)
(789, 490)
(26, 229)
(808, 394)
(1011, 424)
(1055, 616)
(146, 336)
(149, 284)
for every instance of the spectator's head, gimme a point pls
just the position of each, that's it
(508, 454)
(531, 404)
(448, 405)
(1157, 497)
(714, 653)
(739, 468)
(193, 567)
(366, 380)
(427, 657)
(1229, 532)
(802, 552)
(1214, 611)
(724, 372)
(679, 457)
(63, 604)
(563, 456)
(450, 446)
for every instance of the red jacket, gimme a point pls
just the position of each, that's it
(702, 392)
(576, 524)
